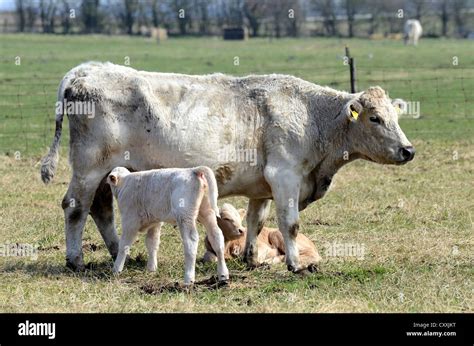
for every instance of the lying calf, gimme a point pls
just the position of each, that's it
(270, 243)
(149, 198)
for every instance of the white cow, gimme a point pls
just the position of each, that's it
(149, 198)
(302, 134)
(412, 31)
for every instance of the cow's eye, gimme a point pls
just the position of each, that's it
(375, 119)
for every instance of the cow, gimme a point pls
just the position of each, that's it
(412, 31)
(270, 242)
(176, 195)
(301, 134)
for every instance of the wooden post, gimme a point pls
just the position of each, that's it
(352, 70)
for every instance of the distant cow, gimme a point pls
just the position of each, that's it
(270, 242)
(412, 31)
(149, 198)
(302, 135)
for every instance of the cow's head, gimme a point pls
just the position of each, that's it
(374, 132)
(230, 222)
(115, 177)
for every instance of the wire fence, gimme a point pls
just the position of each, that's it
(441, 103)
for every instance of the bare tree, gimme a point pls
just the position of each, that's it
(419, 6)
(155, 13)
(20, 12)
(327, 9)
(91, 16)
(374, 8)
(254, 10)
(128, 15)
(444, 16)
(31, 15)
(457, 7)
(47, 12)
(65, 16)
(352, 7)
(182, 10)
(294, 18)
(202, 10)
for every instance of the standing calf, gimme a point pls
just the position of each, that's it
(147, 199)
(270, 242)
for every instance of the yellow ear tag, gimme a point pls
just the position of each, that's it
(355, 115)
(398, 109)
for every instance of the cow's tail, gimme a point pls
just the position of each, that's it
(212, 187)
(50, 160)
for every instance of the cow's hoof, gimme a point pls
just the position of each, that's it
(222, 283)
(251, 265)
(313, 268)
(75, 265)
(292, 268)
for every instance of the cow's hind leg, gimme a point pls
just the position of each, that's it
(258, 210)
(76, 205)
(102, 211)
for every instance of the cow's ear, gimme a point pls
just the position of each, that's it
(113, 179)
(353, 109)
(242, 213)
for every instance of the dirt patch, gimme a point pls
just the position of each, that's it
(211, 283)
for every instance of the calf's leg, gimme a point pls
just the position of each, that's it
(190, 237)
(152, 242)
(129, 234)
(207, 217)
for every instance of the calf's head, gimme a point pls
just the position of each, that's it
(230, 222)
(374, 133)
(114, 179)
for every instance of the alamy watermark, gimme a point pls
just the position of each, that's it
(407, 108)
(337, 249)
(19, 250)
(86, 108)
(238, 155)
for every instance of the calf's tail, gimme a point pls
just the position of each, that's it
(212, 186)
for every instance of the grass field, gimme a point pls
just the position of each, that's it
(415, 222)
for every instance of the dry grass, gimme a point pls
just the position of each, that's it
(414, 221)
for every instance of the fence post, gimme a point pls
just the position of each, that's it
(352, 70)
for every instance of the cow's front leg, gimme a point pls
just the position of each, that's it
(257, 213)
(102, 211)
(285, 186)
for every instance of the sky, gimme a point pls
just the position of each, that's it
(7, 5)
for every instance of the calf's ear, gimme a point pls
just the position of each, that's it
(113, 179)
(242, 213)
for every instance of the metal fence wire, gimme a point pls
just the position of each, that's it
(27, 106)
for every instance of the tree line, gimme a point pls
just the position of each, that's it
(276, 18)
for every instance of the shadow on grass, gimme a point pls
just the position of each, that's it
(101, 270)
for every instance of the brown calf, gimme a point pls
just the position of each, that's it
(270, 242)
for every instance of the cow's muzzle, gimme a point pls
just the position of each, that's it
(406, 154)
